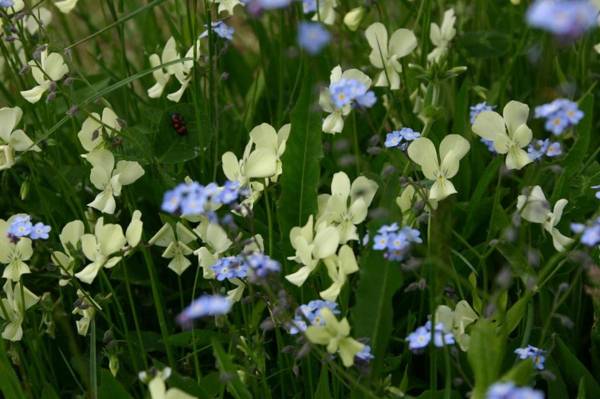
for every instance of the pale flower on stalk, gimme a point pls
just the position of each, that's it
(441, 36)
(334, 335)
(385, 54)
(354, 17)
(86, 308)
(311, 246)
(66, 6)
(40, 17)
(260, 162)
(440, 169)
(176, 243)
(14, 254)
(216, 242)
(14, 305)
(456, 321)
(326, 12)
(49, 69)
(534, 208)
(339, 108)
(509, 132)
(70, 237)
(96, 128)
(158, 388)
(180, 70)
(104, 249)
(110, 179)
(339, 267)
(347, 205)
(12, 140)
(227, 5)
(409, 196)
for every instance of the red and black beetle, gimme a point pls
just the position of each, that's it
(179, 124)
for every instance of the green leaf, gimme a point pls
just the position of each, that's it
(485, 355)
(234, 385)
(301, 164)
(574, 371)
(323, 391)
(521, 373)
(9, 382)
(373, 313)
(109, 387)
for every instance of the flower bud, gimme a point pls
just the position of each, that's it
(354, 17)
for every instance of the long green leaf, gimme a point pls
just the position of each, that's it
(301, 164)
(485, 354)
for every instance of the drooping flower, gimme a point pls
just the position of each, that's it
(66, 6)
(441, 36)
(85, 307)
(563, 18)
(110, 179)
(534, 208)
(14, 251)
(385, 54)
(15, 303)
(95, 129)
(509, 133)
(440, 168)
(347, 206)
(103, 249)
(176, 243)
(70, 238)
(311, 246)
(354, 17)
(313, 37)
(157, 387)
(180, 70)
(346, 89)
(12, 140)
(339, 267)
(205, 305)
(456, 321)
(334, 335)
(326, 10)
(533, 353)
(49, 69)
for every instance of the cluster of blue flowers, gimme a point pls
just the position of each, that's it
(21, 226)
(205, 305)
(6, 3)
(537, 355)
(421, 337)
(193, 199)
(351, 91)
(476, 110)
(508, 390)
(310, 312)
(395, 241)
(539, 148)
(590, 233)
(563, 18)
(313, 37)
(560, 115)
(401, 138)
(240, 266)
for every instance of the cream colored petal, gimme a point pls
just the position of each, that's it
(489, 125)
(261, 163)
(21, 142)
(422, 152)
(163, 237)
(104, 202)
(34, 95)
(364, 188)
(452, 149)
(442, 188)
(111, 239)
(326, 242)
(9, 118)
(377, 37)
(129, 172)
(264, 135)
(402, 42)
(515, 114)
(90, 135)
(89, 245)
(55, 67)
(517, 158)
(333, 123)
(522, 136)
(66, 6)
(299, 277)
(89, 273)
(135, 229)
